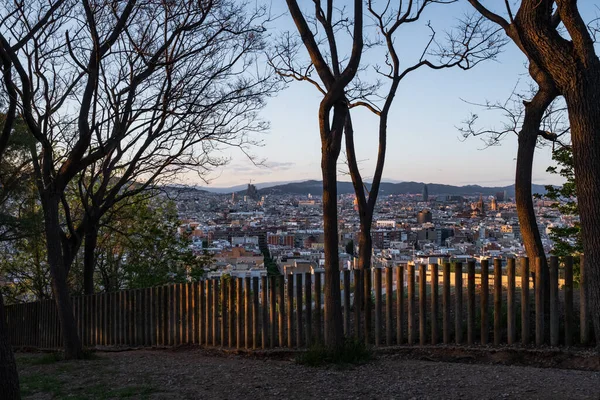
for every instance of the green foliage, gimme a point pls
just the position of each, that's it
(140, 247)
(17, 188)
(352, 352)
(270, 264)
(567, 239)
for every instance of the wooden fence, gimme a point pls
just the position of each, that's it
(424, 304)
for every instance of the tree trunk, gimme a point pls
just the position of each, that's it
(91, 239)
(9, 377)
(60, 289)
(584, 115)
(528, 136)
(365, 244)
(334, 333)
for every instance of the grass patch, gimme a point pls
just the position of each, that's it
(352, 352)
(35, 383)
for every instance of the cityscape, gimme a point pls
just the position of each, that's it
(407, 228)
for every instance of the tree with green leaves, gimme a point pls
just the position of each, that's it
(140, 247)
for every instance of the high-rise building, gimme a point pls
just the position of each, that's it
(252, 192)
(425, 193)
(494, 205)
(480, 204)
(424, 216)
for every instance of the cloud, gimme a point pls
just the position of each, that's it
(265, 169)
(279, 166)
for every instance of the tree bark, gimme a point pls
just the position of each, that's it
(60, 289)
(528, 136)
(584, 115)
(365, 244)
(9, 377)
(334, 332)
(91, 239)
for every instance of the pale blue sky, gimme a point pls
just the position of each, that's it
(423, 141)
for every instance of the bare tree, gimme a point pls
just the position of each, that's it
(333, 81)
(522, 118)
(120, 95)
(9, 377)
(568, 62)
(472, 42)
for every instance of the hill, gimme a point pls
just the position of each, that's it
(315, 187)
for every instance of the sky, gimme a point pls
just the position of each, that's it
(424, 143)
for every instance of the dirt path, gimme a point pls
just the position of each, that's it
(193, 374)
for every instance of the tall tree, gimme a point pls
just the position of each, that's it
(119, 95)
(326, 60)
(473, 41)
(568, 57)
(9, 378)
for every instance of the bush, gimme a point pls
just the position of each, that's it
(352, 352)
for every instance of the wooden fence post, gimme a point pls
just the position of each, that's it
(458, 295)
(539, 303)
(497, 301)
(422, 304)
(281, 308)
(511, 324)
(265, 312)
(248, 313)
(569, 301)
(411, 304)
(179, 325)
(130, 317)
(368, 304)
(470, 302)
(255, 311)
(202, 311)
(584, 333)
(209, 307)
(388, 305)
(272, 318)
(434, 302)
(224, 312)
(446, 303)
(239, 310)
(357, 303)
(400, 304)
(485, 292)
(198, 311)
(346, 273)
(290, 310)
(308, 302)
(554, 317)
(299, 327)
(318, 304)
(232, 319)
(215, 314)
(378, 306)
(525, 330)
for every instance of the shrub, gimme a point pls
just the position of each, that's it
(352, 352)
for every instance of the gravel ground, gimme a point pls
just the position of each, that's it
(195, 374)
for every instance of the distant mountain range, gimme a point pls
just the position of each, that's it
(315, 187)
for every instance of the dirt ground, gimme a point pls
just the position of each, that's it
(196, 374)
